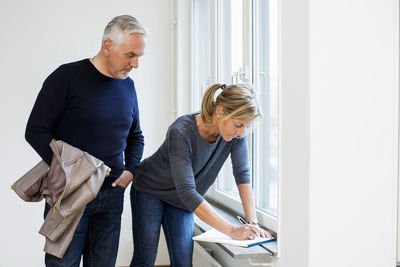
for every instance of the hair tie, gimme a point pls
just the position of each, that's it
(223, 86)
(216, 94)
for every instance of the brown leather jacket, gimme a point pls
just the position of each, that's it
(73, 180)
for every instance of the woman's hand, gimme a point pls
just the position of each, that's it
(249, 231)
(243, 232)
(265, 233)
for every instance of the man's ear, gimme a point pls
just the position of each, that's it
(107, 46)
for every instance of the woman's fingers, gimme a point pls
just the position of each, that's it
(261, 232)
(255, 229)
(249, 231)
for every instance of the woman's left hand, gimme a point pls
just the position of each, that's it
(265, 233)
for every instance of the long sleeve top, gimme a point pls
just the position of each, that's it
(88, 110)
(185, 166)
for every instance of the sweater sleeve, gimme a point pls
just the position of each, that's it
(240, 161)
(181, 169)
(46, 112)
(134, 143)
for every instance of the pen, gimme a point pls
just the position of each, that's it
(241, 220)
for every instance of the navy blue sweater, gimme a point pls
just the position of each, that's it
(88, 110)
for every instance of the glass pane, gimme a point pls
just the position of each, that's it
(226, 181)
(230, 60)
(230, 39)
(263, 141)
(266, 134)
(236, 35)
(201, 51)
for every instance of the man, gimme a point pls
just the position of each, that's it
(91, 104)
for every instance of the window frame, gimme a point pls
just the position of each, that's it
(221, 197)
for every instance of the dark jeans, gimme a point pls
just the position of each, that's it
(148, 214)
(97, 234)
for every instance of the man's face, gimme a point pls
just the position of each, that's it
(123, 58)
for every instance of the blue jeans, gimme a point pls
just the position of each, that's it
(97, 234)
(148, 214)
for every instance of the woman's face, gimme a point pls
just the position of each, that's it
(231, 127)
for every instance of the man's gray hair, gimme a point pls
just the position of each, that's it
(121, 26)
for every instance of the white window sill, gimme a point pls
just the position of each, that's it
(267, 249)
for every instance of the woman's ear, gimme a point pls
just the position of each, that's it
(219, 110)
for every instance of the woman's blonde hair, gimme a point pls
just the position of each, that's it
(238, 101)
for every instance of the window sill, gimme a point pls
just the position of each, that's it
(263, 250)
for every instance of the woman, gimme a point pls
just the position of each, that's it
(170, 185)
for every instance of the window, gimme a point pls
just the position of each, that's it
(202, 71)
(235, 44)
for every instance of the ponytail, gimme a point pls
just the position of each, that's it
(209, 102)
(237, 100)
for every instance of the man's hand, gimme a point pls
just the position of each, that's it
(124, 180)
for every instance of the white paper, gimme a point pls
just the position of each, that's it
(216, 236)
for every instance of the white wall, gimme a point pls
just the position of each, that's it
(353, 132)
(339, 97)
(294, 75)
(38, 36)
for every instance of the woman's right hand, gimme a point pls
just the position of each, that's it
(243, 232)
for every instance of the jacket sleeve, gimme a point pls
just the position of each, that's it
(46, 111)
(134, 143)
(240, 161)
(182, 170)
